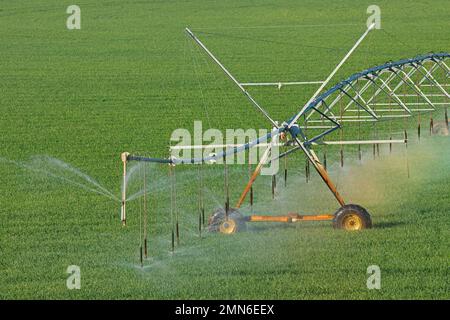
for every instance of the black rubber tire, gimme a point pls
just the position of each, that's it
(352, 209)
(218, 216)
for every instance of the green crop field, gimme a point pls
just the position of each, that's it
(72, 100)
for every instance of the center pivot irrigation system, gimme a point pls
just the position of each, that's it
(393, 90)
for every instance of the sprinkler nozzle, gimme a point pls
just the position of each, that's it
(124, 156)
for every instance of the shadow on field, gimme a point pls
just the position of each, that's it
(388, 224)
(255, 227)
(285, 226)
(269, 226)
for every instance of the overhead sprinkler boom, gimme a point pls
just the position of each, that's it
(392, 91)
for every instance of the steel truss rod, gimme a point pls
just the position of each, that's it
(412, 104)
(446, 69)
(362, 90)
(429, 73)
(358, 95)
(434, 66)
(305, 107)
(413, 86)
(430, 85)
(359, 104)
(415, 95)
(356, 117)
(390, 93)
(266, 145)
(254, 175)
(328, 107)
(366, 87)
(279, 84)
(395, 110)
(256, 104)
(388, 80)
(346, 120)
(367, 118)
(432, 80)
(335, 127)
(320, 170)
(332, 104)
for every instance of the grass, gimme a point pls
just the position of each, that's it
(125, 82)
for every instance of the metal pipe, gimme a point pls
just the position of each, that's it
(373, 115)
(123, 215)
(321, 171)
(331, 75)
(145, 215)
(413, 86)
(318, 143)
(279, 84)
(291, 217)
(264, 112)
(359, 95)
(392, 94)
(432, 80)
(388, 80)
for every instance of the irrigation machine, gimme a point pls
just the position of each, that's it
(391, 91)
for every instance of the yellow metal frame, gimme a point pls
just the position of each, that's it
(292, 217)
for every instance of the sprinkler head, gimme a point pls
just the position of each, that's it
(124, 156)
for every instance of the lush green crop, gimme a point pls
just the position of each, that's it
(130, 76)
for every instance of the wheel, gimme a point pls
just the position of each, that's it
(219, 223)
(352, 217)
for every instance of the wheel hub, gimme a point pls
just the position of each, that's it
(352, 222)
(228, 226)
